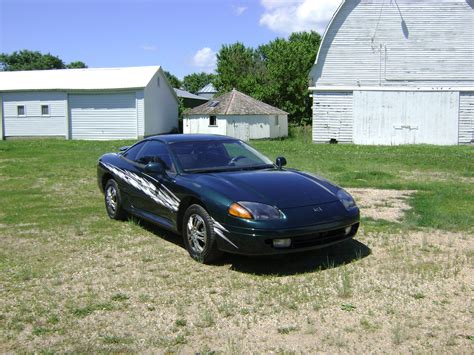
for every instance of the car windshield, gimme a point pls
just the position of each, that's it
(203, 156)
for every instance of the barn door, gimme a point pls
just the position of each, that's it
(393, 118)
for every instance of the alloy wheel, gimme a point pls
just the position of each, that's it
(196, 233)
(111, 198)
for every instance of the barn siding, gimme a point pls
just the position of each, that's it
(409, 42)
(466, 118)
(33, 123)
(332, 117)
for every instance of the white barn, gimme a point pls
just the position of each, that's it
(237, 115)
(396, 72)
(98, 104)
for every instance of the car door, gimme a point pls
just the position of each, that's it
(129, 182)
(158, 199)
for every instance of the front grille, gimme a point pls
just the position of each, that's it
(322, 238)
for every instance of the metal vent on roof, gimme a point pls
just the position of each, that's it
(213, 104)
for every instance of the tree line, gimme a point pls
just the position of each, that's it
(275, 73)
(34, 60)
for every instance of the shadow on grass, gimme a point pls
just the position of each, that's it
(161, 232)
(281, 265)
(298, 263)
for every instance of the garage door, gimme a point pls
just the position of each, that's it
(389, 117)
(103, 116)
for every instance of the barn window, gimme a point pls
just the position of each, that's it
(276, 120)
(158, 80)
(45, 110)
(212, 121)
(20, 110)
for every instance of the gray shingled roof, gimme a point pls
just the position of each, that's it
(235, 103)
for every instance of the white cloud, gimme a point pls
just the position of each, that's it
(148, 47)
(239, 10)
(286, 16)
(205, 59)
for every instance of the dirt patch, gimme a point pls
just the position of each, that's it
(389, 205)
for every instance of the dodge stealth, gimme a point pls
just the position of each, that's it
(222, 195)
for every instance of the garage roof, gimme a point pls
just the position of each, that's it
(77, 79)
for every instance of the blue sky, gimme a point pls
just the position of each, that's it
(181, 35)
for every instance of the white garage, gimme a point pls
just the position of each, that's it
(98, 104)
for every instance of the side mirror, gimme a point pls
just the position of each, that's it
(155, 168)
(123, 149)
(280, 162)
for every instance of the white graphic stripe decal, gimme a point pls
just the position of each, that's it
(219, 229)
(161, 195)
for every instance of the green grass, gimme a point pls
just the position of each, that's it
(38, 173)
(72, 280)
(443, 176)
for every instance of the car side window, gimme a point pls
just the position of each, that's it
(133, 151)
(155, 152)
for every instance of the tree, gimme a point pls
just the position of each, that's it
(276, 72)
(173, 80)
(76, 65)
(30, 60)
(34, 60)
(239, 67)
(196, 81)
(288, 63)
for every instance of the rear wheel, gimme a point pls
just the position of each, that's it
(113, 201)
(199, 236)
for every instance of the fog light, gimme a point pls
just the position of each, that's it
(347, 230)
(281, 243)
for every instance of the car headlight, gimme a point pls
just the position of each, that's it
(255, 210)
(346, 199)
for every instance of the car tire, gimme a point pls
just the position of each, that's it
(199, 236)
(113, 201)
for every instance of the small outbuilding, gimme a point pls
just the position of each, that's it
(93, 103)
(208, 91)
(238, 115)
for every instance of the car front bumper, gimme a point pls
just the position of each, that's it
(250, 241)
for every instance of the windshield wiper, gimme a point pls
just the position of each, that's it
(228, 168)
(256, 167)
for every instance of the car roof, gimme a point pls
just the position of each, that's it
(174, 138)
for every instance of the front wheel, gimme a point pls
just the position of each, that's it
(199, 236)
(113, 201)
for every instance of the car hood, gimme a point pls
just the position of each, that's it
(281, 188)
